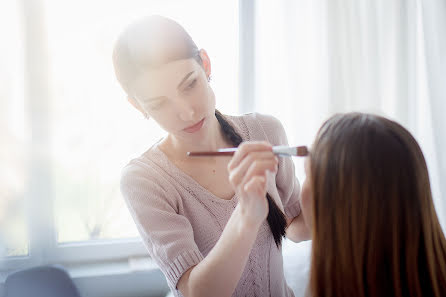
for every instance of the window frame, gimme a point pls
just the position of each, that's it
(43, 248)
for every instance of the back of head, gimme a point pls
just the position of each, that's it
(375, 229)
(147, 43)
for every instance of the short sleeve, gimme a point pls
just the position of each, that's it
(167, 235)
(288, 185)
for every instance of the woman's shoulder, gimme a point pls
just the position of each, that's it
(265, 120)
(147, 169)
(142, 180)
(141, 164)
(256, 123)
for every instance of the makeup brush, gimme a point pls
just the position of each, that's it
(281, 151)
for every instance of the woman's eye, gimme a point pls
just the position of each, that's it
(191, 85)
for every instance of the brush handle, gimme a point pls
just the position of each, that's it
(281, 151)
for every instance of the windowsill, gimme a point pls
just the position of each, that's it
(134, 277)
(122, 266)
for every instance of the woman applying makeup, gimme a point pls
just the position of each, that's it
(368, 202)
(213, 225)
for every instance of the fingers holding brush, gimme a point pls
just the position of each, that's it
(248, 176)
(251, 159)
(253, 164)
(247, 148)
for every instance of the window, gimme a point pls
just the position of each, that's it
(13, 231)
(83, 129)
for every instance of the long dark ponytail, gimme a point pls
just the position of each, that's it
(276, 218)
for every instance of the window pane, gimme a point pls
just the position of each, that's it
(95, 131)
(13, 231)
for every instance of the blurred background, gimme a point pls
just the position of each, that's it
(66, 129)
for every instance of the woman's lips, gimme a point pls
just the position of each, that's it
(195, 127)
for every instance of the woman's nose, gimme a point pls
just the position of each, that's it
(186, 111)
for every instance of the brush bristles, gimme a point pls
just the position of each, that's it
(302, 151)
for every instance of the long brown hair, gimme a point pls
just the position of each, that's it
(138, 48)
(375, 229)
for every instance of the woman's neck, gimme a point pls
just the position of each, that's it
(177, 148)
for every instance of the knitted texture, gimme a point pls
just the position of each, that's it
(180, 221)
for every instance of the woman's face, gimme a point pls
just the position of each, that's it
(306, 195)
(178, 97)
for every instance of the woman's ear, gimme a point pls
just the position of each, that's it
(206, 62)
(137, 106)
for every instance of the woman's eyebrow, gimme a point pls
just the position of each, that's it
(154, 99)
(184, 79)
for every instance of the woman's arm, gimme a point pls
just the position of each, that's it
(297, 230)
(219, 272)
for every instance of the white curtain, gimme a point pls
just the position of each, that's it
(315, 58)
(434, 29)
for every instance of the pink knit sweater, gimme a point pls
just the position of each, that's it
(180, 221)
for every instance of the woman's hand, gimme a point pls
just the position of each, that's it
(248, 176)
